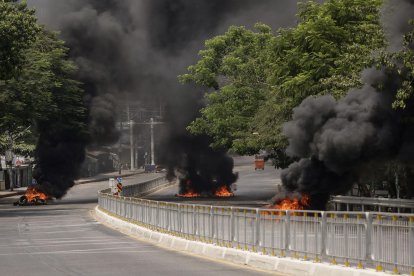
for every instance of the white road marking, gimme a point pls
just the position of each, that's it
(55, 232)
(111, 252)
(75, 238)
(57, 226)
(98, 250)
(75, 244)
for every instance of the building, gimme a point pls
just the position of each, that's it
(22, 173)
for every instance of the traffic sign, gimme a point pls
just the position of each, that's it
(9, 156)
(119, 187)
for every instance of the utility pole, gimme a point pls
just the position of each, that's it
(152, 141)
(131, 136)
(131, 143)
(397, 187)
(120, 149)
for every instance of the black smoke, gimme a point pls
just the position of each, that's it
(336, 139)
(134, 49)
(199, 168)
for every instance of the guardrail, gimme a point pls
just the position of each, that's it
(361, 239)
(381, 204)
(144, 187)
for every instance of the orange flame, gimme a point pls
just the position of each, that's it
(32, 193)
(293, 203)
(190, 193)
(223, 191)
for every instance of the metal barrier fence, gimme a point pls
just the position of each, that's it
(368, 203)
(381, 240)
(144, 187)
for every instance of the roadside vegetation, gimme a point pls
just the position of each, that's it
(38, 93)
(255, 78)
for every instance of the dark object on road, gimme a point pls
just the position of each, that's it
(149, 168)
(259, 163)
(159, 168)
(23, 201)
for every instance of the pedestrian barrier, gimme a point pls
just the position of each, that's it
(369, 203)
(384, 241)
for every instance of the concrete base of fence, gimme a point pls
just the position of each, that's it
(285, 266)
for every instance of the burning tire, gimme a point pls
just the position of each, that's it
(39, 201)
(22, 201)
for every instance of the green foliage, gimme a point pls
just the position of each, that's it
(234, 65)
(40, 94)
(259, 77)
(325, 53)
(18, 30)
(61, 108)
(401, 64)
(20, 140)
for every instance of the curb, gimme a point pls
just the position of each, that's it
(13, 194)
(285, 266)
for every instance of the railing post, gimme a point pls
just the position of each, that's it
(257, 231)
(346, 237)
(157, 222)
(195, 228)
(316, 244)
(232, 228)
(179, 219)
(305, 235)
(211, 223)
(168, 215)
(368, 238)
(287, 232)
(324, 235)
(411, 242)
(395, 244)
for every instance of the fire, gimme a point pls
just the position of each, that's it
(295, 203)
(223, 191)
(189, 190)
(189, 193)
(33, 194)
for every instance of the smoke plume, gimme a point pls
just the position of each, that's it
(335, 139)
(134, 49)
(199, 168)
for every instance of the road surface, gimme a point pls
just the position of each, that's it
(255, 188)
(62, 238)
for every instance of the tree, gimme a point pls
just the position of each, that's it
(61, 124)
(39, 90)
(260, 77)
(233, 65)
(401, 64)
(18, 30)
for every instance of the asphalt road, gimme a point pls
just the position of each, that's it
(62, 238)
(255, 188)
